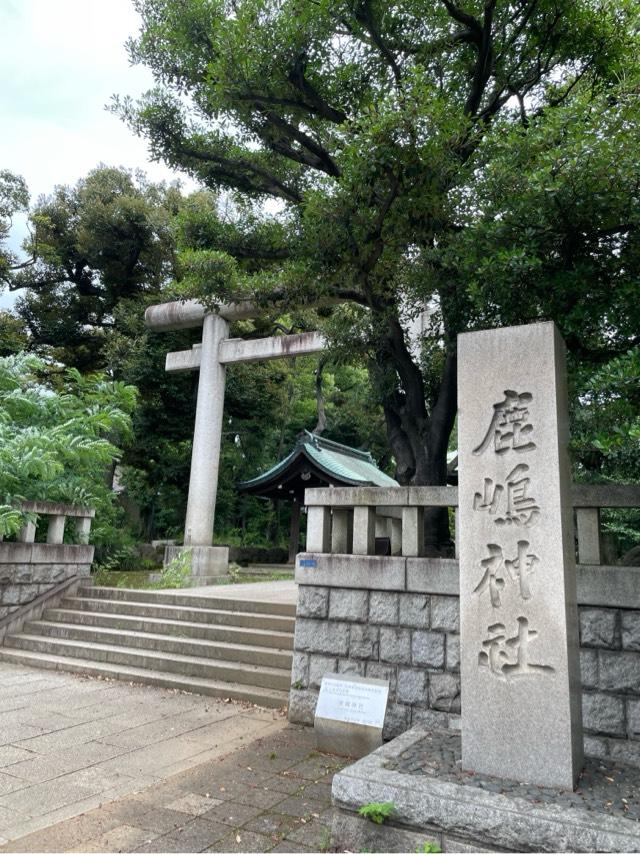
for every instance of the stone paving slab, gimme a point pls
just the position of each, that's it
(272, 795)
(264, 591)
(70, 743)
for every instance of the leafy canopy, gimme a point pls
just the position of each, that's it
(105, 240)
(57, 440)
(385, 134)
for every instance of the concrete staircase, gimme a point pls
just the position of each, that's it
(207, 645)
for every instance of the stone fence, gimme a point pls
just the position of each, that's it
(29, 569)
(396, 617)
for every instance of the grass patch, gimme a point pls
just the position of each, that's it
(137, 580)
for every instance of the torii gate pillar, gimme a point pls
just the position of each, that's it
(211, 357)
(207, 436)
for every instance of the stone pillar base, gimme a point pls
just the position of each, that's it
(208, 563)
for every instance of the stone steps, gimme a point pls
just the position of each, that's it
(245, 619)
(268, 569)
(161, 597)
(181, 628)
(190, 665)
(206, 644)
(270, 699)
(161, 643)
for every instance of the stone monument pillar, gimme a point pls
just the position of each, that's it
(521, 710)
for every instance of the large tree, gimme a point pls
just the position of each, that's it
(370, 125)
(105, 240)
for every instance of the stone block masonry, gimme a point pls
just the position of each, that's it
(408, 638)
(412, 639)
(28, 570)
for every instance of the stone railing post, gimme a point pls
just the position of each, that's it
(396, 536)
(588, 528)
(27, 533)
(364, 530)
(412, 531)
(55, 530)
(83, 529)
(342, 532)
(319, 529)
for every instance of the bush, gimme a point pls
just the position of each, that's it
(58, 440)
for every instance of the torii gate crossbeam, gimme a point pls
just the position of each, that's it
(211, 358)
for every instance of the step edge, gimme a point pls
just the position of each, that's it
(191, 659)
(156, 595)
(224, 626)
(138, 604)
(78, 627)
(167, 675)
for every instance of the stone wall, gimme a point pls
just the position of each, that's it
(610, 668)
(408, 638)
(28, 570)
(411, 638)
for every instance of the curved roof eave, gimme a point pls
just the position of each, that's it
(272, 474)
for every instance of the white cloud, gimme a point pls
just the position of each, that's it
(60, 62)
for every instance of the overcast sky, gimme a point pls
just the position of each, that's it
(60, 62)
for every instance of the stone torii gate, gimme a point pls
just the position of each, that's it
(211, 358)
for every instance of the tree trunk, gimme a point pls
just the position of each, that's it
(419, 433)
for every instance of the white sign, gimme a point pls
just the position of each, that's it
(353, 700)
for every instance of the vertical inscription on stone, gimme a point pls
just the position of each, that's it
(521, 716)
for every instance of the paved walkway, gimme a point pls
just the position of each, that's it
(70, 743)
(263, 591)
(273, 795)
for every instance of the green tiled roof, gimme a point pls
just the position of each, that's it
(345, 465)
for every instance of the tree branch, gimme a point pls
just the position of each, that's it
(484, 62)
(317, 157)
(298, 80)
(315, 109)
(364, 15)
(243, 174)
(472, 24)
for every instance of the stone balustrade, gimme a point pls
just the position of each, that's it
(396, 616)
(348, 520)
(30, 569)
(56, 515)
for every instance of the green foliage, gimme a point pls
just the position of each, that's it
(207, 275)
(552, 224)
(612, 399)
(377, 812)
(118, 558)
(324, 843)
(176, 573)
(606, 436)
(14, 198)
(59, 434)
(104, 241)
(429, 848)
(13, 335)
(454, 155)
